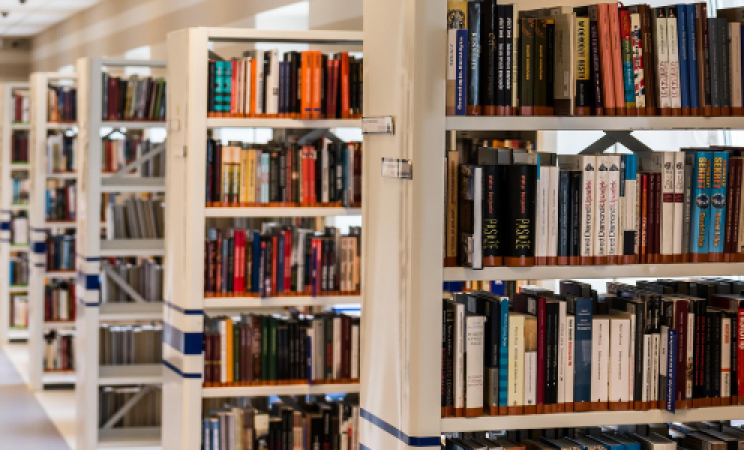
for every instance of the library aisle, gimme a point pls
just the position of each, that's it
(29, 420)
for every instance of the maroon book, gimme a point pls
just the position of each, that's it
(345, 347)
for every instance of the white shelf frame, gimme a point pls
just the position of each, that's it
(7, 129)
(91, 248)
(401, 364)
(40, 125)
(186, 216)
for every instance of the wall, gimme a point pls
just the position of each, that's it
(112, 27)
(15, 59)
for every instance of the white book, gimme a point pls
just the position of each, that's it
(613, 208)
(477, 247)
(530, 378)
(619, 389)
(726, 357)
(272, 83)
(655, 352)
(451, 69)
(541, 213)
(553, 212)
(515, 394)
(64, 313)
(247, 94)
(675, 90)
(588, 200)
(668, 180)
(474, 341)
(459, 358)
(737, 100)
(600, 358)
(690, 351)
(319, 349)
(562, 351)
(679, 201)
(601, 213)
(260, 82)
(662, 60)
(568, 386)
(648, 358)
(638, 74)
(337, 348)
(20, 230)
(223, 351)
(325, 176)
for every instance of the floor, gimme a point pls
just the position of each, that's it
(32, 420)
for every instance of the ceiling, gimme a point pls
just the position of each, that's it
(34, 16)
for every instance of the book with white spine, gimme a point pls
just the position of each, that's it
(668, 191)
(588, 203)
(553, 215)
(726, 357)
(272, 83)
(459, 359)
(735, 62)
(260, 82)
(679, 205)
(600, 358)
(562, 350)
(515, 395)
(601, 213)
(614, 216)
(569, 359)
(661, 48)
(619, 387)
(690, 352)
(675, 88)
(542, 215)
(474, 342)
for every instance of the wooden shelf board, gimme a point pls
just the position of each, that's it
(238, 303)
(238, 122)
(130, 374)
(134, 437)
(531, 123)
(263, 391)
(280, 212)
(130, 311)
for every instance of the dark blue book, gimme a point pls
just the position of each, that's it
(684, 63)
(607, 442)
(255, 273)
(583, 350)
(461, 71)
(692, 56)
(280, 264)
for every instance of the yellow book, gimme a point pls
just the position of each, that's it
(243, 175)
(250, 176)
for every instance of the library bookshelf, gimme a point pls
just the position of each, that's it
(92, 249)
(186, 217)
(405, 74)
(41, 127)
(7, 208)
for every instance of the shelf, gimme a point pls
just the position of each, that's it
(132, 247)
(280, 212)
(263, 391)
(19, 207)
(65, 274)
(130, 311)
(17, 289)
(62, 176)
(589, 419)
(134, 124)
(60, 224)
(61, 125)
(237, 122)
(18, 334)
(59, 324)
(132, 184)
(239, 303)
(19, 247)
(596, 272)
(20, 166)
(62, 377)
(130, 374)
(531, 123)
(133, 437)
(20, 126)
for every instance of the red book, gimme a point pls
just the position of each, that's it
(233, 86)
(274, 262)
(287, 260)
(344, 69)
(71, 299)
(239, 261)
(605, 56)
(541, 344)
(305, 155)
(18, 105)
(617, 59)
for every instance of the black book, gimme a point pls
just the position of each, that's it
(550, 68)
(275, 433)
(501, 57)
(489, 56)
(474, 55)
(470, 184)
(714, 51)
(328, 337)
(448, 350)
(324, 96)
(331, 173)
(716, 348)
(521, 182)
(564, 215)
(294, 67)
(698, 381)
(708, 353)
(274, 166)
(575, 230)
(526, 66)
(494, 162)
(508, 54)
(287, 428)
(551, 352)
(723, 66)
(539, 66)
(282, 176)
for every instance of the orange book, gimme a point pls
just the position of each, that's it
(345, 85)
(617, 59)
(317, 59)
(229, 349)
(605, 56)
(306, 93)
(252, 107)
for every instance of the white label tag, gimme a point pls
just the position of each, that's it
(378, 125)
(397, 168)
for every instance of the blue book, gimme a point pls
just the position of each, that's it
(504, 354)
(629, 444)
(461, 72)
(684, 69)
(498, 288)
(207, 434)
(692, 56)
(607, 442)
(718, 184)
(256, 265)
(280, 265)
(671, 369)
(583, 350)
(700, 217)
(215, 426)
(309, 360)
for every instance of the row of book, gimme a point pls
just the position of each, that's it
(325, 173)
(697, 435)
(266, 350)
(522, 209)
(59, 301)
(666, 344)
(281, 260)
(134, 98)
(307, 85)
(21, 106)
(136, 218)
(19, 228)
(61, 104)
(59, 353)
(130, 344)
(145, 277)
(61, 153)
(603, 59)
(118, 153)
(61, 200)
(60, 251)
(146, 412)
(19, 147)
(19, 269)
(21, 187)
(18, 311)
(291, 424)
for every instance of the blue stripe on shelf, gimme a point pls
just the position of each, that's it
(89, 259)
(39, 230)
(89, 304)
(181, 373)
(39, 265)
(5, 226)
(188, 312)
(92, 281)
(186, 343)
(38, 247)
(412, 441)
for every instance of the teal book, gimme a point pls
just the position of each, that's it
(700, 217)
(504, 354)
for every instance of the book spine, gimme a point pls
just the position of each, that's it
(596, 70)
(601, 212)
(627, 58)
(613, 210)
(725, 381)
(453, 162)
(600, 357)
(520, 215)
(459, 357)
(588, 202)
(474, 58)
(584, 96)
(564, 217)
(667, 208)
(723, 67)
(539, 67)
(562, 355)
(740, 351)
(674, 75)
(461, 70)
(489, 55)
(452, 60)
(526, 68)
(504, 356)
(516, 365)
(541, 216)
(736, 211)
(570, 363)
(731, 209)
(474, 349)
(630, 218)
(492, 208)
(553, 222)
(684, 57)
(576, 209)
(501, 99)
(639, 79)
(605, 53)
(530, 365)
(679, 205)
(701, 191)
(690, 357)
(681, 313)
(714, 48)
(619, 368)
(649, 58)
(735, 66)
(510, 62)
(692, 59)
(617, 58)
(661, 48)
(719, 182)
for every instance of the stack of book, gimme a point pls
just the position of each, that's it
(284, 174)
(59, 352)
(61, 153)
(265, 350)
(137, 218)
(21, 187)
(668, 344)
(19, 228)
(19, 311)
(145, 277)
(61, 104)
(59, 301)
(21, 106)
(603, 59)
(133, 99)
(117, 153)
(146, 412)
(281, 261)
(299, 425)
(18, 270)
(508, 207)
(130, 344)
(297, 85)
(60, 200)
(19, 147)
(60, 249)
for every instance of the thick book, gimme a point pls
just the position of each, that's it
(540, 67)
(453, 191)
(474, 58)
(515, 394)
(661, 53)
(494, 162)
(617, 59)
(583, 69)
(600, 348)
(564, 90)
(701, 207)
(605, 56)
(470, 222)
(683, 36)
(627, 60)
(718, 182)
(595, 62)
(675, 88)
(521, 181)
